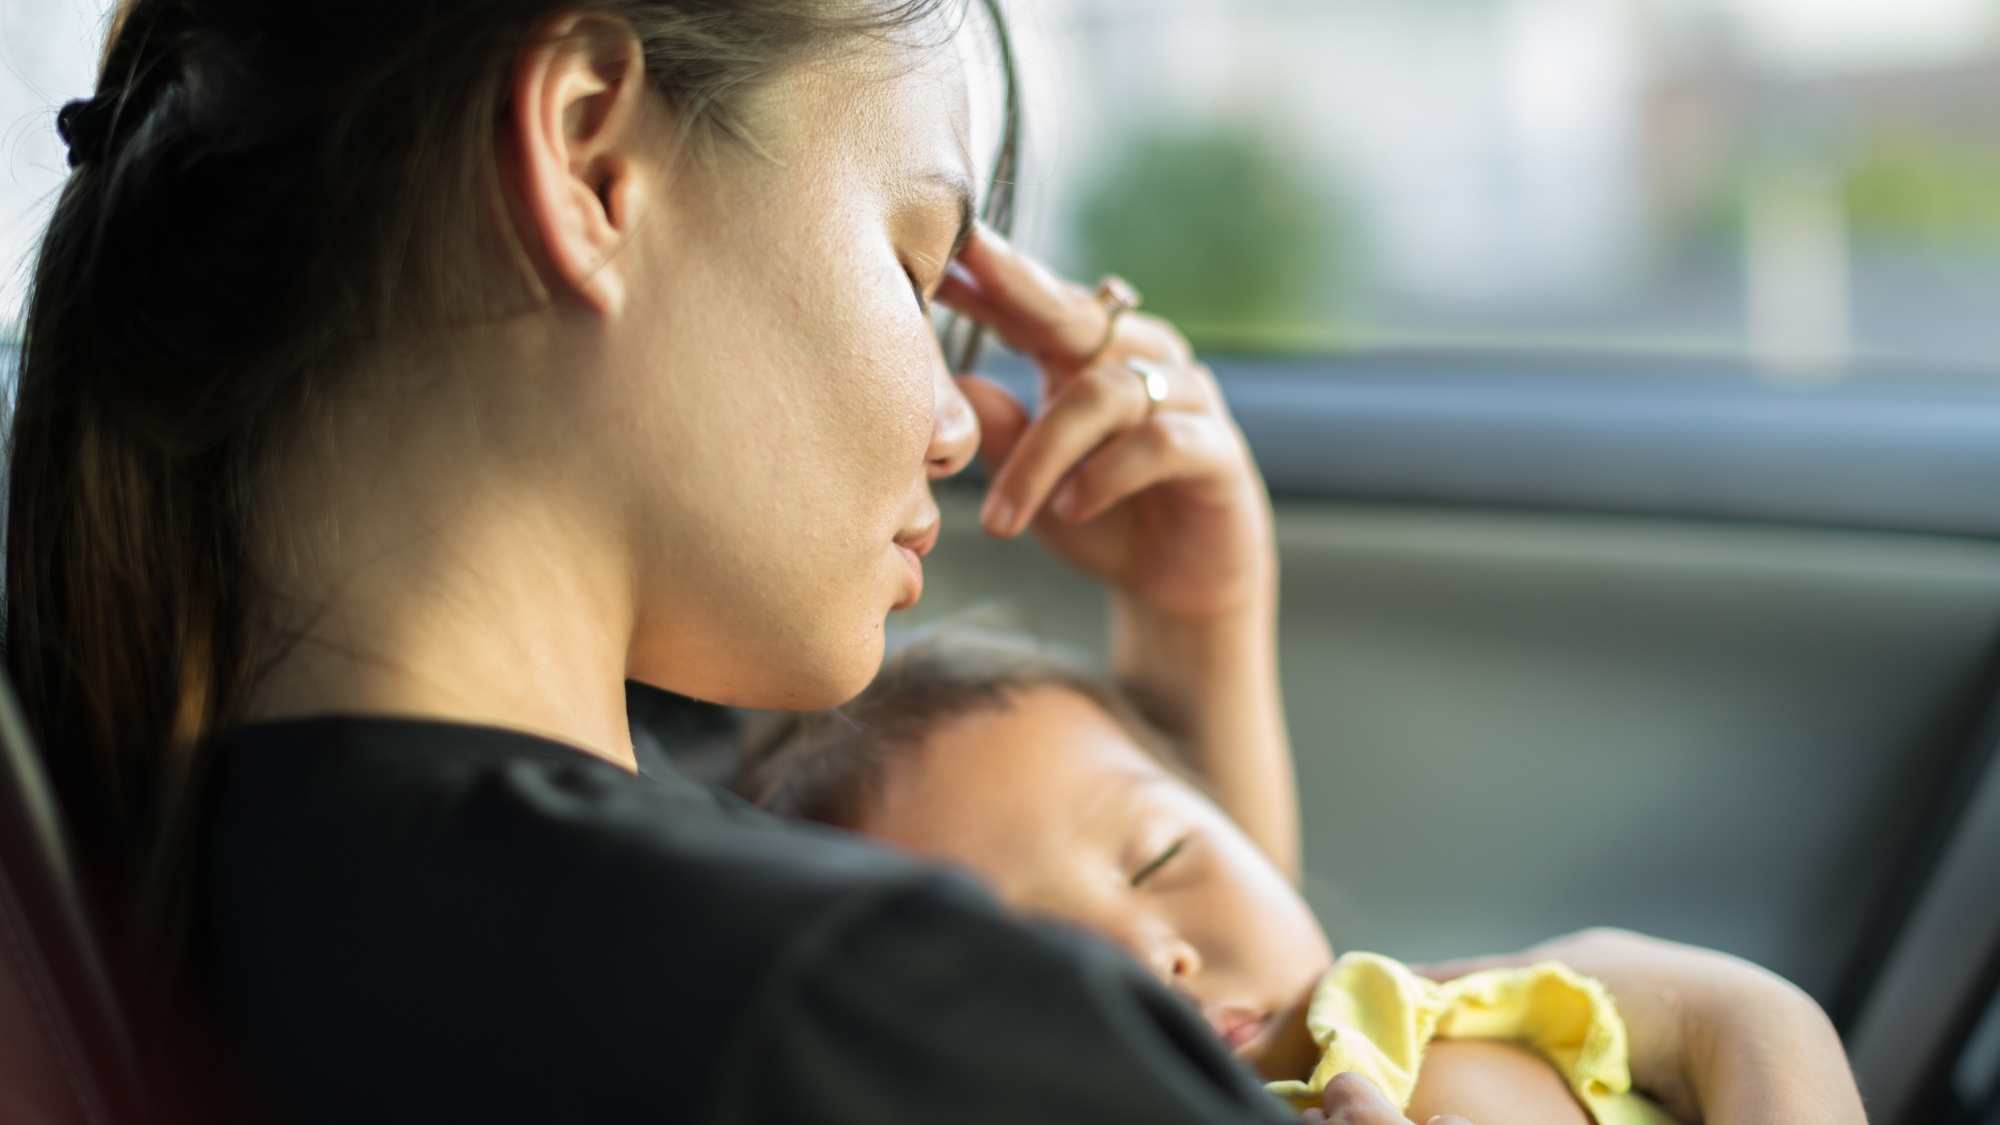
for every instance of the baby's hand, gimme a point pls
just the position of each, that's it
(1353, 1100)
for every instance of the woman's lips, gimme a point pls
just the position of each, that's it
(913, 547)
(915, 592)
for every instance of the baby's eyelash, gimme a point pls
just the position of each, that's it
(1152, 868)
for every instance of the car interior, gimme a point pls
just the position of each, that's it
(1632, 425)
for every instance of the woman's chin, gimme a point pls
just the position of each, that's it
(843, 674)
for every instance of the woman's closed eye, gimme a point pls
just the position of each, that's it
(925, 266)
(1159, 862)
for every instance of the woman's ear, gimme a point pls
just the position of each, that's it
(579, 113)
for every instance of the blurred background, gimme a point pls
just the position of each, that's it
(1801, 180)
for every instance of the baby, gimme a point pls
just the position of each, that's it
(1049, 783)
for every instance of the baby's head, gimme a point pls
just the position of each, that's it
(985, 752)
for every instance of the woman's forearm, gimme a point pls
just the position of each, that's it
(1215, 681)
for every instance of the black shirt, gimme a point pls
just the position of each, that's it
(408, 921)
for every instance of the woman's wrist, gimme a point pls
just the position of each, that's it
(1179, 661)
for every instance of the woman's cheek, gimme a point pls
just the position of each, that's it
(908, 363)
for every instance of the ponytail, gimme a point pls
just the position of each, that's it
(122, 637)
(155, 349)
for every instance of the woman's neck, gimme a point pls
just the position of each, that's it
(414, 571)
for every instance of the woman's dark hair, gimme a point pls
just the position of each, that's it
(262, 191)
(829, 766)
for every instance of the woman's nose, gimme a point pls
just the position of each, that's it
(954, 428)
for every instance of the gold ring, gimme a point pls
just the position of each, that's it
(1117, 297)
(1153, 378)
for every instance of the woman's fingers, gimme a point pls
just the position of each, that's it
(1169, 446)
(1091, 410)
(1032, 309)
(1002, 419)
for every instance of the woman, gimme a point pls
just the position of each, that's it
(399, 380)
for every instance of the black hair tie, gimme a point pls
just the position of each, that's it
(85, 126)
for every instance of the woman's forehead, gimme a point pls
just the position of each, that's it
(901, 107)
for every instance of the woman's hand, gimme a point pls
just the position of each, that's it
(1713, 1038)
(1353, 1100)
(1159, 500)
(1162, 501)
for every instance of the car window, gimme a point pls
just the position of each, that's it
(1803, 182)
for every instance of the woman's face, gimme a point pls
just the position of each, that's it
(781, 401)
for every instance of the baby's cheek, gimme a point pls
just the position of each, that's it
(1273, 920)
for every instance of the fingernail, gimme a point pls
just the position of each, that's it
(998, 516)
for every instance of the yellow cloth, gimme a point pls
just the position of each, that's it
(1374, 1016)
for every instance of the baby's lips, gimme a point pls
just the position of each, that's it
(1240, 1028)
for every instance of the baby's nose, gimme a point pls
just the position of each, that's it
(1176, 961)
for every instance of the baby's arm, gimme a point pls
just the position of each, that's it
(1492, 1083)
(1216, 685)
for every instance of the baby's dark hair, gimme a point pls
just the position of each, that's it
(829, 766)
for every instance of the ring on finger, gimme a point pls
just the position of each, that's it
(1153, 378)
(1117, 297)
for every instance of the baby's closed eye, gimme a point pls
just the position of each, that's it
(1168, 859)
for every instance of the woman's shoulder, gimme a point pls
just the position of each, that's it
(416, 906)
(393, 801)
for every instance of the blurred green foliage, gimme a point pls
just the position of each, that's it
(1919, 192)
(1224, 232)
(1901, 192)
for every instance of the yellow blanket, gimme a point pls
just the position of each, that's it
(1374, 1016)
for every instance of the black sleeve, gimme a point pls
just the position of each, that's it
(929, 1008)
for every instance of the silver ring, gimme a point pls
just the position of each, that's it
(1153, 378)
